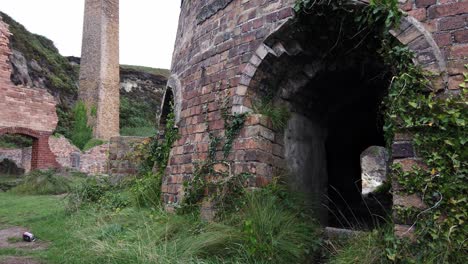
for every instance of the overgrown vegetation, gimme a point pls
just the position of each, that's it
(15, 141)
(81, 133)
(155, 71)
(278, 114)
(436, 119)
(136, 118)
(43, 183)
(60, 75)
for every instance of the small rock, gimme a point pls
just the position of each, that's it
(374, 168)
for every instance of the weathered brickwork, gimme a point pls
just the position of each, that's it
(221, 53)
(99, 71)
(26, 111)
(120, 158)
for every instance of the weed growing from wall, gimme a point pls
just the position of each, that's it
(81, 133)
(153, 156)
(223, 187)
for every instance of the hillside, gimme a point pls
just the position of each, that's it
(37, 63)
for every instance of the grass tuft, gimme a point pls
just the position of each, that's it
(43, 183)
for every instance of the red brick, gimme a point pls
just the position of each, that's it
(447, 10)
(461, 36)
(419, 14)
(451, 23)
(425, 3)
(444, 39)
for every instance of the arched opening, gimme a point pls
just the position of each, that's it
(15, 155)
(39, 153)
(166, 108)
(333, 84)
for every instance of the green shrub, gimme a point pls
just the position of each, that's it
(146, 191)
(276, 233)
(278, 114)
(135, 113)
(15, 141)
(89, 191)
(138, 131)
(81, 133)
(42, 183)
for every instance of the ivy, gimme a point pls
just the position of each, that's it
(437, 121)
(221, 186)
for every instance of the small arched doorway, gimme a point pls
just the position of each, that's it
(41, 155)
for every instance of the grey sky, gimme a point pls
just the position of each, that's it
(147, 27)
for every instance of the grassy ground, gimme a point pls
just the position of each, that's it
(94, 234)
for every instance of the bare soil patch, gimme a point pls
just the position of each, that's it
(12, 238)
(18, 260)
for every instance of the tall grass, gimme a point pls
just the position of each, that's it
(43, 183)
(265, 231)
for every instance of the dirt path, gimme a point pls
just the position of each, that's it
(12, 238)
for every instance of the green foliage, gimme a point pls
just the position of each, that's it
(138, 131)
(15, 141)
(93, 143)
(153, 154)
(278, 114)
(60, 75)
(438, 124)
(232, 125)
(99, 191)
(275, 232)
(43, 183)
(155, 71)
(136, 114)
(146, 190)
(225, 188)
(81, 133)
(437, 120)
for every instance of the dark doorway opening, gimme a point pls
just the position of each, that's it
(337, 116)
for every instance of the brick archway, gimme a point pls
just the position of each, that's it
(285, 61)
(42, 157)
(410, 33)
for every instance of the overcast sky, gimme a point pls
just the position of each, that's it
(147, 27)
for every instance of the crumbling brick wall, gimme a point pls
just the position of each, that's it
(24, 110)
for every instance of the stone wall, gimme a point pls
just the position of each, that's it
(63, 150)
(120, 159)
(224, 48)
(95, 160)
(22, 157)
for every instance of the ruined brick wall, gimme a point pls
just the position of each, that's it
(63, 150)
(22, 106)
(99, 72)
(24, 110)
(121, 163)
(222, 46)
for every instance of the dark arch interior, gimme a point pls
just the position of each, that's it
(166, 108)
(334, 84)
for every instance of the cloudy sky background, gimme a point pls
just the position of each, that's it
(147, 27)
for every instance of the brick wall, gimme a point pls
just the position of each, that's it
(121, 163)
(222, 46)
(24, 110)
